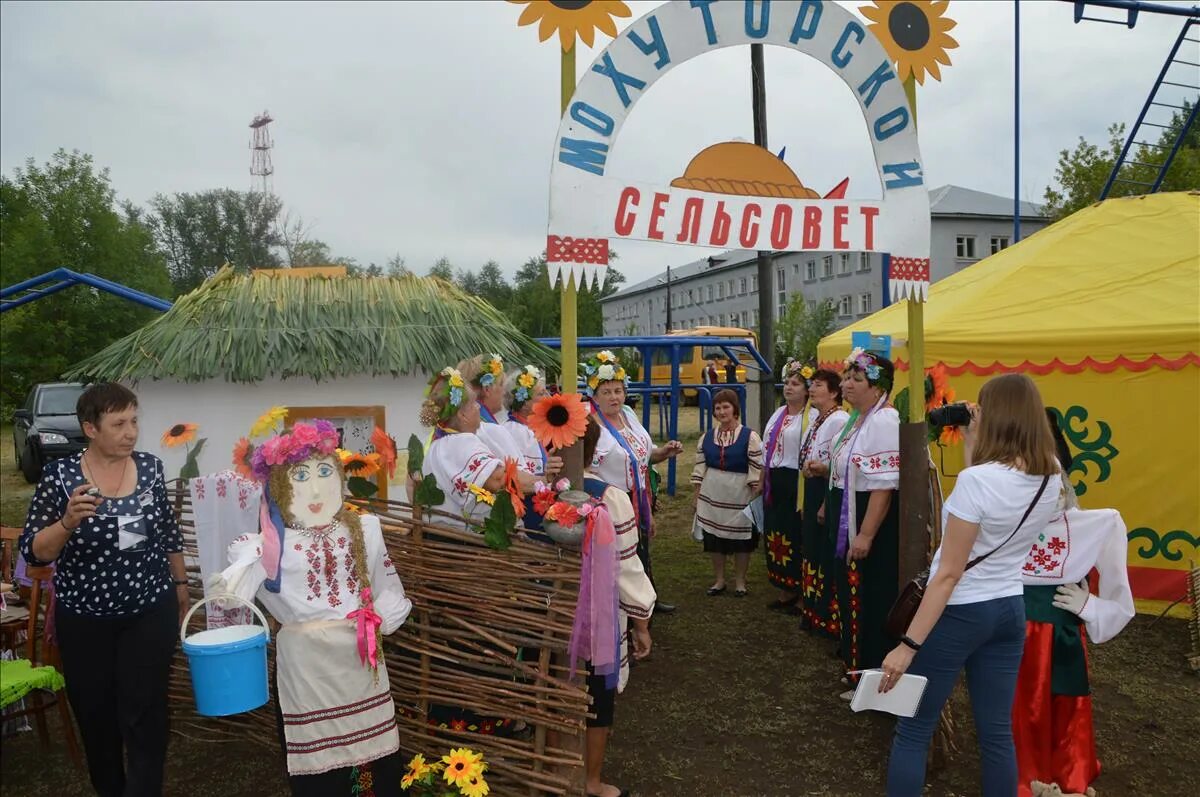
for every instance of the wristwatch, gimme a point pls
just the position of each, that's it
(908, 642)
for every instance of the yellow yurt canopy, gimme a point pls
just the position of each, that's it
(1116, 282)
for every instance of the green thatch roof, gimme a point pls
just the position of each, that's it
(245, 328)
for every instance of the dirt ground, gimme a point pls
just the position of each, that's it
(736, 702)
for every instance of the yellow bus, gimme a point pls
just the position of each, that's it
(693, 360)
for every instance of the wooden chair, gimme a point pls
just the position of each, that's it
(38, 702)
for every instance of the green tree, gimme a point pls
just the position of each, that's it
(199, 233)
(65, 214)
(1082, 172)
(800, 329)
(442, 270)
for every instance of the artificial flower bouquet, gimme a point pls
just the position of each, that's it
(564, 511)
(457, 774)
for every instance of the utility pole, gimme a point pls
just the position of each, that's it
(766, 321)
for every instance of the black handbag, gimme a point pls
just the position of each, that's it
(901, 615)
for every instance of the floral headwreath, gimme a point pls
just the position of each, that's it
(602, 367)
(527, 379)
(449, 383)
(493, 369)
(868, 363)
(796, 368)
(304, 441)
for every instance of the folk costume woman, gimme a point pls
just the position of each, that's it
(625, 450)
(1052, 712)
(785, 433)
(485, 374)
(862, 511)
(461, 462)
(727, 477)
(324, 573)
(819, 599)
(524, 387)
(635, 602)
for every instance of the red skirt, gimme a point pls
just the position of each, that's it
(1052, 733)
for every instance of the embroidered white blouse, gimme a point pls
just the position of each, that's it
(459, 460)
(531, 451)
(611, 463)
(875, 456)
(317, 578)
(1065, 552)
(787, 446)
(822, 444)
(498, 440)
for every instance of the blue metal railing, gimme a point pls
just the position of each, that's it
(63, 278)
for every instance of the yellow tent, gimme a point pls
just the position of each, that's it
(1102, 309)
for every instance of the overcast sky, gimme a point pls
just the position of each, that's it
(425, 128)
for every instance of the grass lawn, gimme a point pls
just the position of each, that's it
(736, 702)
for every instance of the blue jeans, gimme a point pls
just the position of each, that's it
(986, 638)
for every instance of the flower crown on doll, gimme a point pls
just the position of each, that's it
(868, 363)
(795, 368)
(526, 381)
(492, 370)
(602, 367)
(304, 441)
(447, 383)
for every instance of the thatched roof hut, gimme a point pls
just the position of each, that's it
(319, 344)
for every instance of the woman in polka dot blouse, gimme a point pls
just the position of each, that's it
(102, 517)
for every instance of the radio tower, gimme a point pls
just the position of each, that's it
(260, 150)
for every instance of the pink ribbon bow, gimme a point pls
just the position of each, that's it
(368, 621)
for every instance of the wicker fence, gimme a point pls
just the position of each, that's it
(488, 632)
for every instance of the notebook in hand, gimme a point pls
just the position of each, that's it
(903, 699)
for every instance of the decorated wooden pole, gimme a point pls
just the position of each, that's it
(571, 19)
(915, 36)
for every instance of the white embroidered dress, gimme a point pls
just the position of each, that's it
(821, 446)
(611, 462)
(1065, 552)
(790, 436)
(337, 712)
(873, 453)
(457, 461)
(532, 455)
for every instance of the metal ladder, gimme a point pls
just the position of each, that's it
(1185, 57)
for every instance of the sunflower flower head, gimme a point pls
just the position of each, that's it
(475, 786)
(462, 766)
(179, 434)
(915, 34)
(356, 463)
(558, 421)
(417, 769)
(576, 19)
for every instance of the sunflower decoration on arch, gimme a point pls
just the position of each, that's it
(915, 34)
(572, 19)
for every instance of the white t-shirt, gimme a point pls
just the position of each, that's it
(996, 496)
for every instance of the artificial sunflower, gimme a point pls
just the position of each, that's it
(914, 33)
(462, 765)
(475, 787)
(179, 434)
(241, 458)
(358, 464)
(268, 421)
(558, 421)
(417, 769)
(572, 18)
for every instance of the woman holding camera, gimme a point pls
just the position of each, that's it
(104, 518)
(862, 513)
(972, 615)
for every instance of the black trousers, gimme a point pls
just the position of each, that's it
(116, 670)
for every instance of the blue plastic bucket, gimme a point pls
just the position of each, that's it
(228, 665)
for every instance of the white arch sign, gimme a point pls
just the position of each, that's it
(731, 196)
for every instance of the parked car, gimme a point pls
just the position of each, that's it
(47, 428)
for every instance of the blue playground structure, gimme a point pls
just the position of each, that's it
(63, 278)
(670, 395)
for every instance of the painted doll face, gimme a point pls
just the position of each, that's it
(317, 491)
